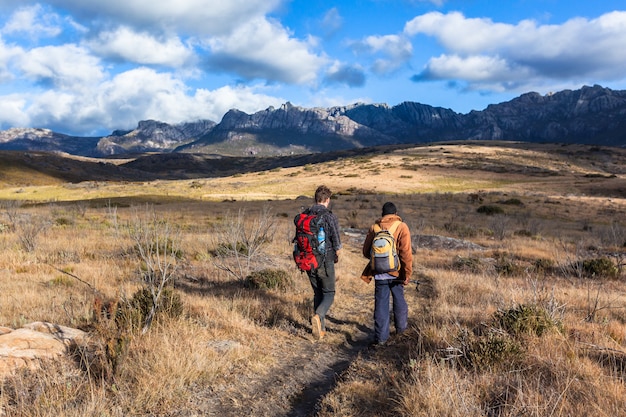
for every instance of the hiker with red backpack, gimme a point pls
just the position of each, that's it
(388, 247)
(315, 252)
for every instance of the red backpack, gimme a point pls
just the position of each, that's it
(309, 242)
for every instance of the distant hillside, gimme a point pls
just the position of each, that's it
(592, 115)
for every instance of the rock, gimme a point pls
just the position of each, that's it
(25, 347)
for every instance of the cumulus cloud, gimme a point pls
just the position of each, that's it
(33, 22)
(350, 75)
(207, 17)
(67, 67)
(395, 50)
(142, 48)
(12, 111)
(7, 55)
(263, 49)
(77, 80)
(484, 52)
(119, 103)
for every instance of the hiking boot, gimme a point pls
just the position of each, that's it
(316, 327)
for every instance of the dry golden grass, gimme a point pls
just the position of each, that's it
(234, 348)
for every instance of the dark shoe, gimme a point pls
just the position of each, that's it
(375, 344)
(316, 327)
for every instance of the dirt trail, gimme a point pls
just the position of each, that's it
(308, 371)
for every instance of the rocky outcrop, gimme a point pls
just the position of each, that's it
(31, 139)
(153, 136)
(29, 345)
(591, 115)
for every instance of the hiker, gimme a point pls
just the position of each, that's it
(396, 276)
(323, 277)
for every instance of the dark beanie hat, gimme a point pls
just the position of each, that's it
(389, 208)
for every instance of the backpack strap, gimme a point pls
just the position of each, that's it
(394, 227)
(392, 230)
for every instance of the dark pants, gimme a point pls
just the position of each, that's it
(381, 308)
(323, 284)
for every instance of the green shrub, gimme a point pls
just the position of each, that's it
(507, 266)
(525, 319)
(543, 265)
(470, 264)
(63, 221)
(269, 279)
(131, 313)
(490, 210)
(600, 267)
(492, 350)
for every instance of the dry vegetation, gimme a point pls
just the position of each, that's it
(532, 322)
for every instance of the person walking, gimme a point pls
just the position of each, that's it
(323, 278)
(391, 282)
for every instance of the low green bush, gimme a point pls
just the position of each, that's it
(525, 319)
(600, 267)
(490, 210)
(490, 351)
(269, 279)
(131, 313)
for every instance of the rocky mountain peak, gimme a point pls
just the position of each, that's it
(592, 115)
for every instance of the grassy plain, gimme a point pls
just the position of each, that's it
(518, 325)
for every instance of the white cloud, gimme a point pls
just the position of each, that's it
(213, 104)
(395, 49)
(207, 17)
(480, 70)
(66, 67)
(348, 74)
(12, 112)
(142, 48)
(7, 55)
(34, 22)
(525, 53)
(119, 103)
(263, 49)
(331, 22)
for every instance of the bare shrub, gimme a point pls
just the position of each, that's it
(499, 225)
(28, 228)
(11, 211)
(241, 242)
(157, 244)
(614, 235)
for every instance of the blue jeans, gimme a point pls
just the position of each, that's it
(381, 308)
(323, 284)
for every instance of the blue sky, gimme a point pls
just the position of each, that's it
(90, 67)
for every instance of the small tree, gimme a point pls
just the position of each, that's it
(157, 243)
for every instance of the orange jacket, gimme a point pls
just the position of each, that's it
(403, 247)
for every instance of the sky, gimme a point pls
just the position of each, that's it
(88, 67)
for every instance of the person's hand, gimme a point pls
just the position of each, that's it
(336, 258)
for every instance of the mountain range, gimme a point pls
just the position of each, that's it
(591, 115)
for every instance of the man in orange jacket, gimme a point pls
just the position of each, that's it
(392, 282)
